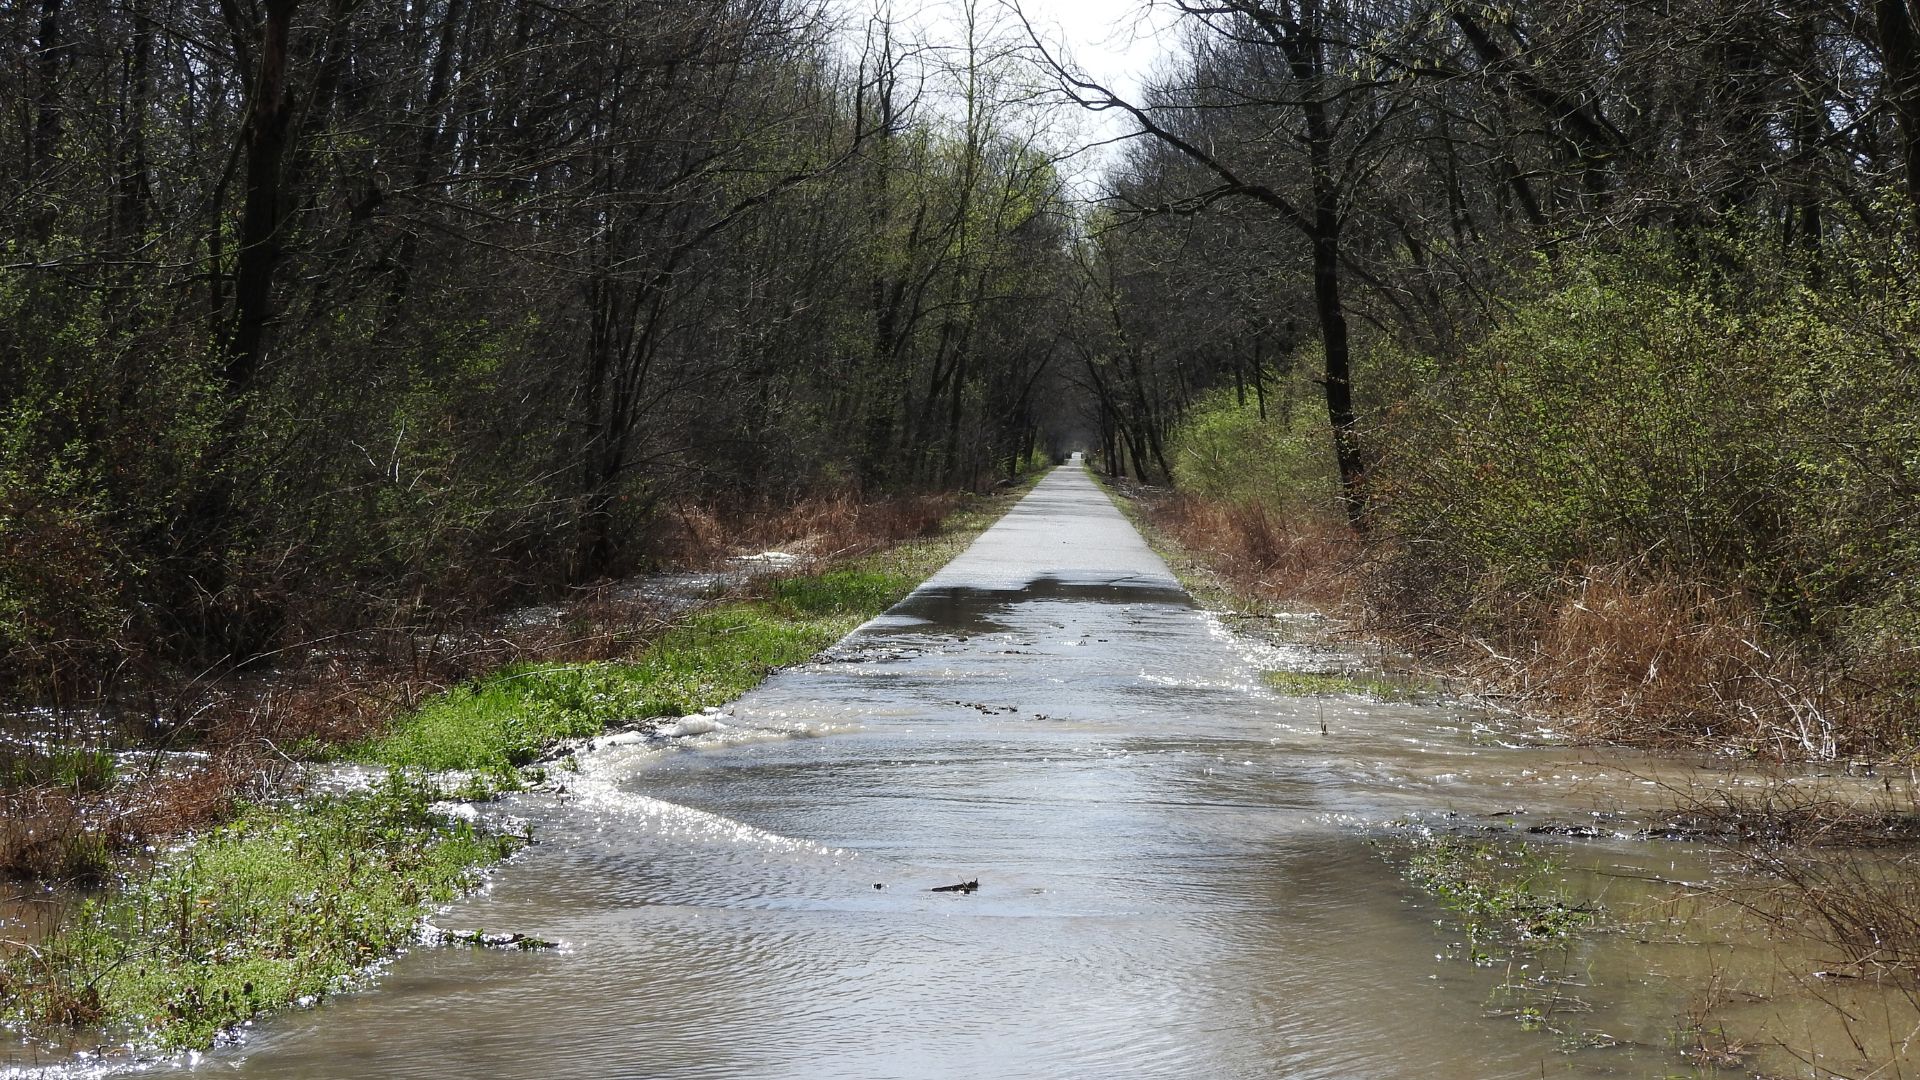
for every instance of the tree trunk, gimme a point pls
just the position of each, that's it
(1338, 380)
(263, 214)
(1323, 231)
(46, 115)
(1900, 54)
(133, 191)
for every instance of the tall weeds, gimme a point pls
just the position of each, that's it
(1301, 559)
(1628, 654)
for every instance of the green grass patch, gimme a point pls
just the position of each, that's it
(76, 768)
(281, 905)
(512, 717)
(1518, 915)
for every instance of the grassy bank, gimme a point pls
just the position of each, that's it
(285, 903)
(279, 905)
(516, 715)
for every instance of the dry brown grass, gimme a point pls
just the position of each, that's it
(818, 527)
(1620, 653)
(1625, 655)
(61, 833)
(1293, 561)
(51, 833)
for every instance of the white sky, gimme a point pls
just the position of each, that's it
(1116, 42)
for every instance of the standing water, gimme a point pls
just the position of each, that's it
(1175, 871)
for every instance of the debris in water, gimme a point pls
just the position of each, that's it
(429, 934)
(963, 887)
(1554, 828)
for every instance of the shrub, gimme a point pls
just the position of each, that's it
(1724, 455)
(1226, 451)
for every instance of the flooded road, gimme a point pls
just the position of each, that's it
(1175, 867)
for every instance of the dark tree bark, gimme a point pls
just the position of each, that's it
(263, 215)
(1900, 54)
(46, 113)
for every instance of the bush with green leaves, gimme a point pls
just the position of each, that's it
(1714, 417)
(93, 478)
(1225, 449)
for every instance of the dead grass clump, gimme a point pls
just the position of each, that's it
(1672, 661)
(1303, 559)
(819, 527)
(45, 990)
(187, 801)
(300, 708)
(54, 832)
(51, 834)
(694, 536)
(1627, 655)
(599, 624)
(1624, 653)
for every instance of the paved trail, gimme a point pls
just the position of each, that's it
(1173, 879)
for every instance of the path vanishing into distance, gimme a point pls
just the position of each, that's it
(1180, 873)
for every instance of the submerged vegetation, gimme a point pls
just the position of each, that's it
(1501, 894)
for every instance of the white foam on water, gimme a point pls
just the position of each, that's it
(690, 725)
(605, 797)
(619, 754)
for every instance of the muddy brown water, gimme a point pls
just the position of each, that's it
(1181, 874)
